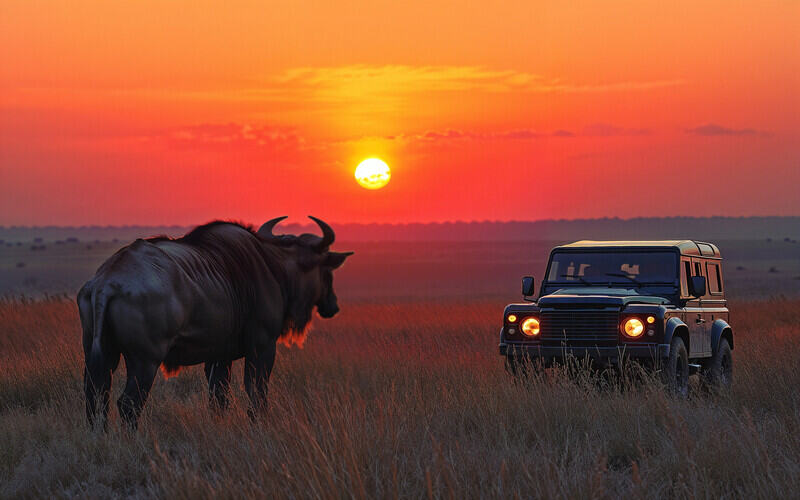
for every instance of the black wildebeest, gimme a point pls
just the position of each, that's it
(217, 294)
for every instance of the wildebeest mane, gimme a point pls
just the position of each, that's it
(234, 257)
(233, 249)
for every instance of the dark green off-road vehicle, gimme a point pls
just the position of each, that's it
(661, 303)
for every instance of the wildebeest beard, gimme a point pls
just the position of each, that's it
(293, 334)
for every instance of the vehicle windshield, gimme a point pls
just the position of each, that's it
(633, 268)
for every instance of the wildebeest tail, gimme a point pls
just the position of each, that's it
(99, 302)
(99, 365)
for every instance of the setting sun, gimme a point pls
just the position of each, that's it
(373, 173)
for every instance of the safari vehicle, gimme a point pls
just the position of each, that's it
(661, 303)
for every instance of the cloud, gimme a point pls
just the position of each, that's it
(606, 130)
(518, 134)
(233, 134)
(594, 130)
(447, 134)
(713, 129)
(450, 134)
(339, 83)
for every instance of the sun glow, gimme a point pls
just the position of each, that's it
(373, 173)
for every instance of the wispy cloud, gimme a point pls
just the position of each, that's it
(607, 130)
(361, 80)
(451, 134)
(713, 129)
(233, 134)
(594, 130)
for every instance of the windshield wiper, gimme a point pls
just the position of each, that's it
(623, 275)
(579, 278)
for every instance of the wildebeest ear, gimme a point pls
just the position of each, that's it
(336, 259)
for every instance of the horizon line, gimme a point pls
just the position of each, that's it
(410, 223)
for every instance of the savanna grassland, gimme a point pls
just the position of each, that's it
(403, 394)
(403, 399)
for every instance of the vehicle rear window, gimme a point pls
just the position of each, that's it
(714, 282)
(613, 267)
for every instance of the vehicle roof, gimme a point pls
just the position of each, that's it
(685, 247)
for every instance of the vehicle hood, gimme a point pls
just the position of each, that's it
(598, 296)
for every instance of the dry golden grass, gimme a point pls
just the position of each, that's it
(405, 400)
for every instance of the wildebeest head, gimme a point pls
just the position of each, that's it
(314, 260)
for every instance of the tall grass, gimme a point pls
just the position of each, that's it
(407, 400)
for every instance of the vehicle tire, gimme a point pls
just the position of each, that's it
(719, 373)
(675, 374)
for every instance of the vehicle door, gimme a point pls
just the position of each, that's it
(695, 317)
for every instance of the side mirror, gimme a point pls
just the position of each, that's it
(527, 286)
(697, 286)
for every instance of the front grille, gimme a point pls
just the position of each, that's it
(579, 327)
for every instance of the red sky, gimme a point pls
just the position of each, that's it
(183, 111)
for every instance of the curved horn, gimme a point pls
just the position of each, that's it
(327, 234)
(265, 231)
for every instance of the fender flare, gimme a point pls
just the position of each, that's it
(718, 329)
(674, 325)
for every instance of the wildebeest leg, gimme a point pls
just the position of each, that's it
(218, 375)
(257, 368)
(140, 379)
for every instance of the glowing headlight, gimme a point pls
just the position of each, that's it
(530, 327)
(633, 328)
(512, 318)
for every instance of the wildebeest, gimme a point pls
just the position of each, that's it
(221, 292)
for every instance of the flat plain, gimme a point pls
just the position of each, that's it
(403, 394)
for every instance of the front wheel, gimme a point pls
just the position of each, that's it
(675, 374)
(719, 373)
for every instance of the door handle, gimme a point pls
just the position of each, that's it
(700, 320)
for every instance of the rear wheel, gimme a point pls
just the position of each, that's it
(719, 373)
(675, 373)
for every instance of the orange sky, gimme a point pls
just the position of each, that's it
(179, 112)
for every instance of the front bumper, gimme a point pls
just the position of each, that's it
(609, 354)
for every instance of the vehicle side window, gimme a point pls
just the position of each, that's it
(714, 282)
(686, 271)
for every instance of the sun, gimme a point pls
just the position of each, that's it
(373, 173)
